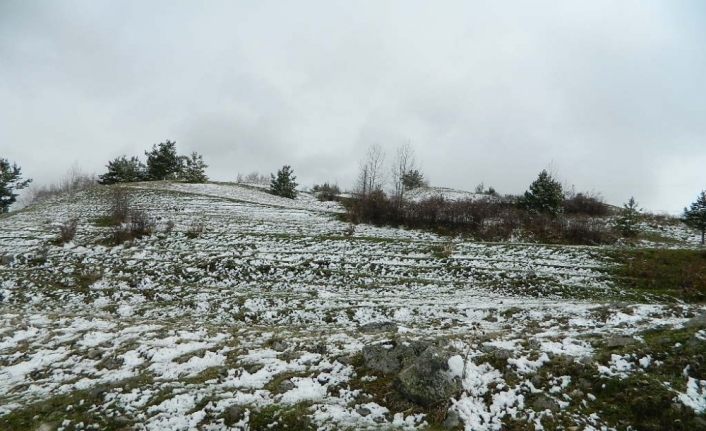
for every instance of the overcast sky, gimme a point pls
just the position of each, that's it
(611, 95)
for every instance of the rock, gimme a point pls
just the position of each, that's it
(233, 414)
(96, 393)
(279, 346)
(382, 357)
(223, 372)
(542, 402)
(345, 359)
(6, 259)
(285, 385)
(376, 327)
(94, 354)
(363, 411)
(698, 321)
(390, 357)
(577, 394)
(496, 352)
(112, 362)
(619, 341)
(701, 422)
(452, 420)
(122, 420)
(427, 380)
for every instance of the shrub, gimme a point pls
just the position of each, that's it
(490, 219)
(74, 181)
(67, 230)
(253, 178)
(138, 225)
(586, 204)
(119, 206)
(326, 192)
(196, 229)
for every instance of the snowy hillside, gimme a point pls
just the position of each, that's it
(279, 316)
(422, 193)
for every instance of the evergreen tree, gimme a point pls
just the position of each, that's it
(163, 162)
(695, 215)
(629, 219)
(10, 181)
(124, 170)
(413, 179)
(283, 184)
(545, 195)
(194, 170)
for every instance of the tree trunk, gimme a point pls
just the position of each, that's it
(703, 234)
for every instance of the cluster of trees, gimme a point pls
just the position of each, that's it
(163, 163)
(404, 172)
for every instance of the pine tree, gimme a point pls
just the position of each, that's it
(695, 215)
(194, 170)
(283, 184)
(163, 162)
(545, 195)
(628, 221)
(413, 179)
(10, 181)
(124, 170)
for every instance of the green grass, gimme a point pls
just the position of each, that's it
(677, 273)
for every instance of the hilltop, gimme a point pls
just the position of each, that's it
(244, 310)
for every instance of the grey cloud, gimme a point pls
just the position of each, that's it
(610, 94)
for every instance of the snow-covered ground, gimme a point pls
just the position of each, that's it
(265, 308)
(422, 193)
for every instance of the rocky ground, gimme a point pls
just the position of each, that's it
(248, 311)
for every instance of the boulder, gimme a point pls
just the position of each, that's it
(377, 327)
(452, 421)
(542, 402)
(428, 380)
(619, 341)
(391, 356)
(698, 321)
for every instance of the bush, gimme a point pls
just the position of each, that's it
(119, 206)
(586, 204)
(74, 181)
(326, 192)
(138, 225)
(253, 178)
(67, 230)
(195, 230)
(489, 219)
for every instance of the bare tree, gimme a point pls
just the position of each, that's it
(403, 163)
(371, 175)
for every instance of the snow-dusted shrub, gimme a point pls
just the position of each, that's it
(67, 230)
